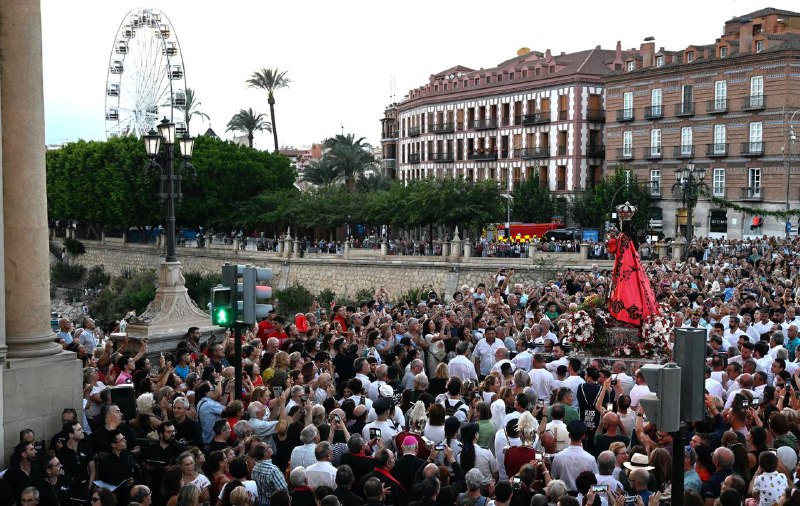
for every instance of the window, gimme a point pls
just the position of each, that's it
(627, 143)
(719, 147)
(659, 61)
(655, 182)
(655, 142)
(723, 51)
(718, 183)
(655, 102)
(499, 77)
(488, 79)
(477, 81)
(689, 56)
(686, 141)
(759, 46)
(627, 104)
(627, 177)
(756, 130)
(631, 65)
(754, 182)
(720, 95)
(757, 91)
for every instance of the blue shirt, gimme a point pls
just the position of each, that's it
(208, 412)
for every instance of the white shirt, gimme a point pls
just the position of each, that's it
(498, 410)
(559, 430)
(501, 442)
(485, 462)
(485, 352)
(303, 455)
(321, 473)
(497, 365)
(552, 366)
(573, 382)
(523, 360)
(372, 393)
(365, 382)
(542, 383)
(571, 462)
(714, 387)
(388, 432)
(627, 382)
(462, 367)
(637, 392)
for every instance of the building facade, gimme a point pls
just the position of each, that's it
(537, 113)
(725, 107)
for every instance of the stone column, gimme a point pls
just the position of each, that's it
(287, 245)
(584, 251)
(347, 247)
(384, 249)
(297, 247)
(678, 248)
(661, 250)
(455, 247)
(445, 249)
(31, 396)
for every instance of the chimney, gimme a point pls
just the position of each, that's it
(647, 50)
(745, 37)
(618, 55)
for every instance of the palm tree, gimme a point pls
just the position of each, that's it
(319, 173)
(349, 156)
(248, 121)
(189, 109)
(270, 80)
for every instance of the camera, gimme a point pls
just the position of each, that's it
(439, 447)
(630, 499)
(277, 391)
(374, 433)
(337, 419)
(599, 488)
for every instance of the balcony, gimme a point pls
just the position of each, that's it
(754, 102)
(625, 153)
(717, 106)
(389, 163)
(484, 124)
(717, 149)
(752, 193)
(652, 153)
(443, 128)
(655, 189)
(561, 151)
(414, 131)
(753, 148)
(536, 118)
(625, 115)
(563, 115)
(482, 157)
(596, 151)
(653, 112)
(683, 151)
(413, 158)
(597, 115)
(531, 153)
(684, 109)
(443, 157)
(389, 135)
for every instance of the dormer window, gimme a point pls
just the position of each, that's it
(659, 61)
(477, 81)
(759, 46)
(723, 51)
(488, 79)
(689, 56)
(631, 65)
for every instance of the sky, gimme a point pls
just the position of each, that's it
(341, 56)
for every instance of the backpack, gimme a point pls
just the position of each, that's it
(449, 409)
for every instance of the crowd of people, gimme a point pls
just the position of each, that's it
(469, 399)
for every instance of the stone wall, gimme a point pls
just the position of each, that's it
(344, 276)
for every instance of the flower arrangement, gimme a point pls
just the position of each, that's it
(655, 337)
(577, 327)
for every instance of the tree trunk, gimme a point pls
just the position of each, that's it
(250, 139)
(271, 102)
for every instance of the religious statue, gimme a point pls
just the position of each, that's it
(631, 298)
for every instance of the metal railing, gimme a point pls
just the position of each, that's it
(752, 193)
(446, 156)
(683, 151)
(716, 106)
(717, 149)
(753, 148)
(684, 109)
(443, 128)
(536, 118)
(413, 158)
(625, 153)
(414, 132)
(595, 115)
(652, 153)
(482, 156)
(596, 151)
(484, 124)
(625, 115)
(653, 112)
(752, 102)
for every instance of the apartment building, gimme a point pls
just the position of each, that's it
(724, 107)
(537, 113)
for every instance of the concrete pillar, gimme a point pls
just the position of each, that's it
(347, 248)
(678, 248)
(455, 247)
(30, 396)
(287, 245)
(297, 247)
(467, 249)
(661, 250)
(445, 249)
(585, 251)
(384, 249)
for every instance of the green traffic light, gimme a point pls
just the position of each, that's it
(221, 316)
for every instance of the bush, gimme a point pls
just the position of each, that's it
(74, 246)
(200, 285)
(326, 297)
(294, 299)
(97, 277)
(411, 294)
(365, 295)
(124, 294)
(66, 275)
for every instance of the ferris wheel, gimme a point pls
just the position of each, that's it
(146, 80)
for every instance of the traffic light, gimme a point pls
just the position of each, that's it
(253, 294)
(222, 313)
(690, 354)
(662, 406)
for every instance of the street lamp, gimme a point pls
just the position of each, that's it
(690, 184)
(169, 187)
(792, 140)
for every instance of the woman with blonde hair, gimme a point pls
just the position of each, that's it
(188, 496)
(489, 388)
(240, 497)
(438, 384)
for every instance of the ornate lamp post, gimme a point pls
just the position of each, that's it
(172, 309)
(792, 140)
(690, 184)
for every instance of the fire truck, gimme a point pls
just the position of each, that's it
(521, 232)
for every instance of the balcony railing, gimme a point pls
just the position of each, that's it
(717, 149)
(753, 148)
(625, 115)
(443, 157)
(754, 102)
(413, 158)
(443, 128)
(752, 193)
(389, 163)
(414, 131)
(530, 153)
(683, 151)
(596, 151)
(653, 112)
(597, 115)
(561, 151)
(563, 115)
(484, 124)
(655, 189)
(536, 118)
(625, 153)
(390, 135)
(684, 109)
(482, 156)
(652, 153)
(717, 106)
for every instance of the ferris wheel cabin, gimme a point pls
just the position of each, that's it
(171, 49)
(116, 67)
(128, 32)
(121, 47)
(163, 31)
(179, 99)
(112, 114)
(180, 129)
(112, 90)
(176, 72)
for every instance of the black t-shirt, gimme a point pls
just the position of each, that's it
(188, 433)
(76, 462)
(344, 366)
(159, 458)
(587, 397)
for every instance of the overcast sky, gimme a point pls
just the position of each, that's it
(341, 55)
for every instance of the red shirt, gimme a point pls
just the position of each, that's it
(264, 328)
(516, 457)
(280, 336)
